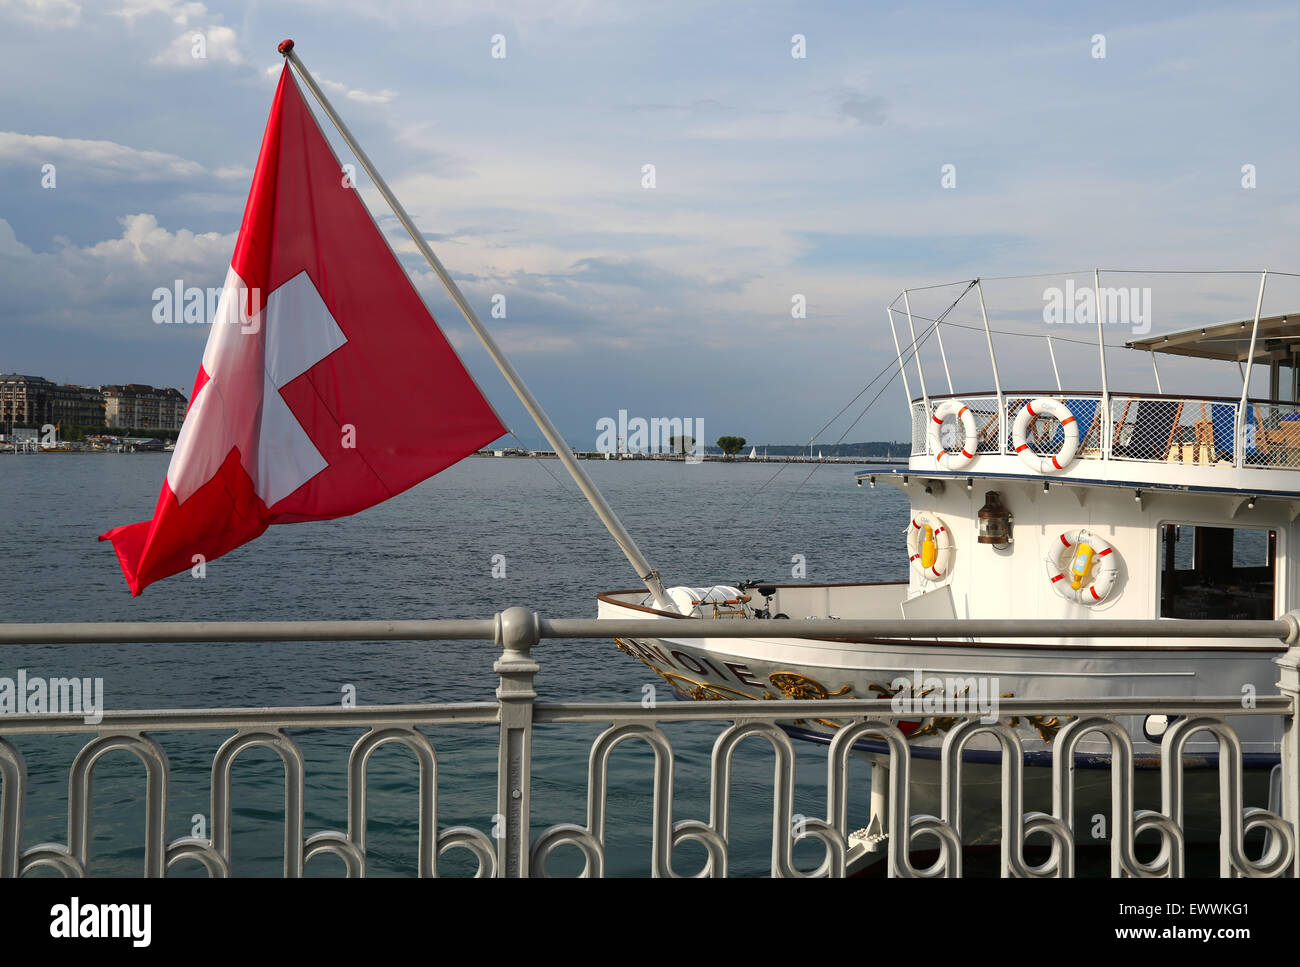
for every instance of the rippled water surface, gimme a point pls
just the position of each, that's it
(424, 554)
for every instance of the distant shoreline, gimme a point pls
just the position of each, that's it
(7, 450)
(708, 458)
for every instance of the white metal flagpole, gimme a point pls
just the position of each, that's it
(597, 500)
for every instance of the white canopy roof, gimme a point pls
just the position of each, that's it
(1278, 338)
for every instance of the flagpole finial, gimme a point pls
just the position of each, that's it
(285, 46)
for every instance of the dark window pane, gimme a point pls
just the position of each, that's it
(1216, 572)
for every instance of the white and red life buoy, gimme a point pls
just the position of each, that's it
(1092, 569)
(1045, 463)
(929, 547)
(953, 459)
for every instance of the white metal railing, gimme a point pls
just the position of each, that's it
(1193, 431)
(514, 852)
(1235, 431)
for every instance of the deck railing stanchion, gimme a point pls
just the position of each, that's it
(1101, 355)
(997, 381)
(517, 630)
(1239, 445)
(1156, 370)
(902, 370)
(943, 354)
(916, 351)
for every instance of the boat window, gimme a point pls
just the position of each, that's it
(1217, 572)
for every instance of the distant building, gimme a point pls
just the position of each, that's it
(78, 406)
(26, 399)
(143, 407)
(34, 399)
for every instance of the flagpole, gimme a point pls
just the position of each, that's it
(597, 500)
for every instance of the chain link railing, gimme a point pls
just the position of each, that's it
(1271, 435)
(1148, 429)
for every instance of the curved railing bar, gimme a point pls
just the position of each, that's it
(81, 782)
(294, 769)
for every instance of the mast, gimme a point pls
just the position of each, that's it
(597, 500)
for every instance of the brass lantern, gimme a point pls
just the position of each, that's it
(994, 520)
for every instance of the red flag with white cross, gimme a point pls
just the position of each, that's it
(326, 386)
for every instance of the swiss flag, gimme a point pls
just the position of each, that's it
(326, 386)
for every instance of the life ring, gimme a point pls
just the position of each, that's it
(1088, 552)
(1052, 461)
(946, 459)
(929, 547)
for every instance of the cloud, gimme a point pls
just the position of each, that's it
(335, 87)
(205, 39)
(180, 12)
(145, 242)
(106, 286)
(703, 106)
(195, 47)
(403, 14)
(866, 109)
(43, 13)
(9, 244)
(104, 158)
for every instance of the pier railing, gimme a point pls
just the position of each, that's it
(511, 849)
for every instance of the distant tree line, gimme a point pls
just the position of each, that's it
(875, 448)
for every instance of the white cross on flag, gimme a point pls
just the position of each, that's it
(326, 386)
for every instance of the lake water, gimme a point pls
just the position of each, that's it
(427, 553)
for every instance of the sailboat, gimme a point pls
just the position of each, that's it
(753, 453)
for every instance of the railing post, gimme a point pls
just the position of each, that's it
(902, 370)
(916, 352)
(1289, 685)
(517, 630)
(1106, 416)
(997, 380)
(1239, 442)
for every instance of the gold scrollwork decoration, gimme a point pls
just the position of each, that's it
(1047, 726)
(796, 686)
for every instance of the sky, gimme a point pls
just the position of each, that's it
(906, 144)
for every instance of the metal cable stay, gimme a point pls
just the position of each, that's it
(910, 352)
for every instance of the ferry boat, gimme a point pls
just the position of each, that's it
(1047, 504)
